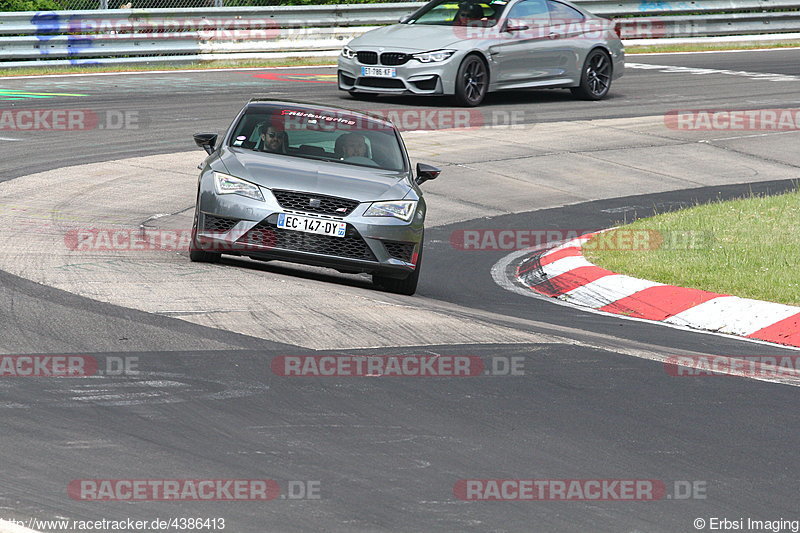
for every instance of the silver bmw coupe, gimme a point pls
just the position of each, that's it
(316, 185)
(469, 48)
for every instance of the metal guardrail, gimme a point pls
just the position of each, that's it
(192, 34)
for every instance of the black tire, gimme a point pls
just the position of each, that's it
(407, 286)
(472, 82)
(595, 76)
(196, 254)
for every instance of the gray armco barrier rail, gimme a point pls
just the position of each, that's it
(194, 34)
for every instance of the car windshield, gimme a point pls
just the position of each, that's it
(324, 135)
(465, 13)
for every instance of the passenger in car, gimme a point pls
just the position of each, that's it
(352, 145)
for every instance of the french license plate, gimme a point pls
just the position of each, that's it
(380, 72)
(319, 226)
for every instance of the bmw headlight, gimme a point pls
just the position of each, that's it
(434, 56)
(348, 52)
(226, 184)
(402, 209)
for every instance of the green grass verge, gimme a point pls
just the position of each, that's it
(300, 61)
(748, 247)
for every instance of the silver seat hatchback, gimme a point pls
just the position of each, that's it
(317, 185)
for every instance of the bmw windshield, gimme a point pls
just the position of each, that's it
(298, 131)
(465, 13)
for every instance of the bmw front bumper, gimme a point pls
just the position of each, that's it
(412, 77)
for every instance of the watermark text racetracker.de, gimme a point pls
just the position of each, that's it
(622, 239)
(755, 366)
(205, 28)
(410, 119)
(67, 366)
(130, 240)
(555, 28)
(733, 119)
(396, 366)
(166, 490)
(631, 490)
(68, 120)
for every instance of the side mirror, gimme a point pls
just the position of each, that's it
(426, 173)
(511, 28)
(206, 141)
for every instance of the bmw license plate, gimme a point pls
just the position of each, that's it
(319, 226)
(380, 72)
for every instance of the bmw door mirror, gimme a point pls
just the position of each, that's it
(206, 141)
(426, 173)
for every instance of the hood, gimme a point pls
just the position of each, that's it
(333, 179)
(407, 37)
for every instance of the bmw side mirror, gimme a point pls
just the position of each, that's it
(511, 27)
(426, 173)
(206, 141)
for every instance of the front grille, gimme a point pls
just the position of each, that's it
(394, 58)
(403, 251)
(383, 83)
(351, 246)
(315, 203)
(367, 58)
(219, 224)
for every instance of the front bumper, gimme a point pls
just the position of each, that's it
(413, 77)
(236, 225)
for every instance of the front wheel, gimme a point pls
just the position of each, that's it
(472, 82)
(595, 76)
(196, 252)
(408, 285)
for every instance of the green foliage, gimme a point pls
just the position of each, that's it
(28, 5)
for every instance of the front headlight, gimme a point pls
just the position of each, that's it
(402, 209)
(348, 52)
(226, 184)
(434, 56)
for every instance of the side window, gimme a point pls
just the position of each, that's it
(562, 13)
(531, 11)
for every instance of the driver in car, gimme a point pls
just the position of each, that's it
(272, 141)
(469, 14)
(354, 145)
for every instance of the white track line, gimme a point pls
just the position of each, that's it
(672, 69)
